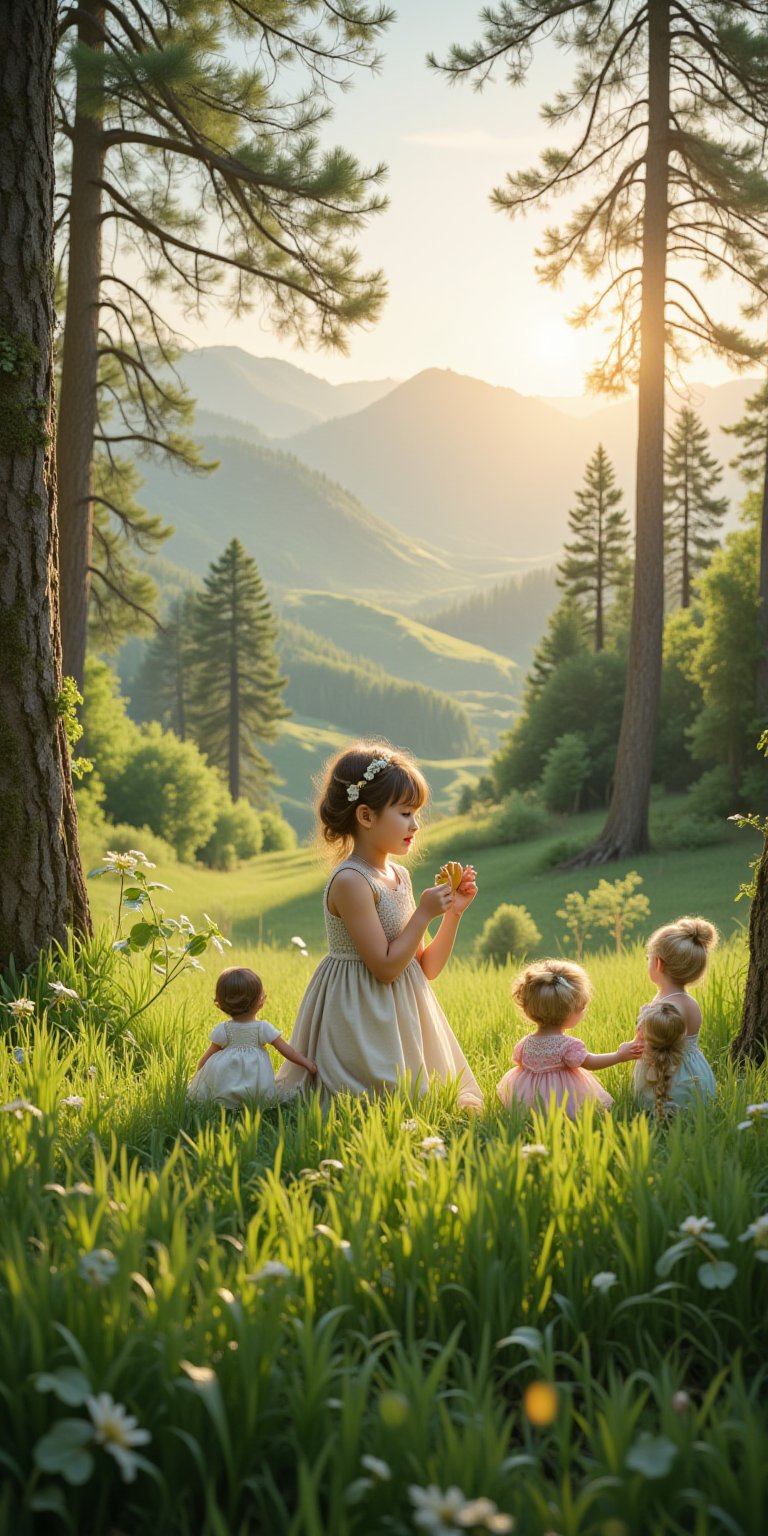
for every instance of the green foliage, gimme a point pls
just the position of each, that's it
(238, 686)
(565, 636)
(752, 432)
(66, 708)
(278, 835)
(110, 737)
(583, 695)
(578, 914)
(164, 683)
(684, 829)
(692, 512)
(518, 819)
(167, 785)
(711, 797)
(727, 656)
(509, 934)
(618, 906)
(596, 562)
(566, 767)
(238, 834)
(681, 699)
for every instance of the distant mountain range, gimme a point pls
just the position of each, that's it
(472, 468)
(278, 398)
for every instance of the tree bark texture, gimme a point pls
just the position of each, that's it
(626, 828)
(42, 887)
(752, 1039)
(761, 681)
(80, 367)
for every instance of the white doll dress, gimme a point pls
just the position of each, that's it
(241, 1070)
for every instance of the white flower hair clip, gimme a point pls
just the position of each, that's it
(375, 766)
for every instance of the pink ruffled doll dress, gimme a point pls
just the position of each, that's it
(547, 1063)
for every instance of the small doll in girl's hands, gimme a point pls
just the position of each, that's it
(236, 1068)
(554, 995)
(677, 957)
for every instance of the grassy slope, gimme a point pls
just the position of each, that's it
(486, 683)
(278, 895)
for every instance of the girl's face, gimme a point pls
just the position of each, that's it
(395, 828)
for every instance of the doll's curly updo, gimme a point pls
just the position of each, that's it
(684, 947)
(399, 782)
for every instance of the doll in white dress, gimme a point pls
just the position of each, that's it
(236, 1067)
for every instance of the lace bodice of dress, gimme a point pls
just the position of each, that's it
(395, 906)
(549, 1053)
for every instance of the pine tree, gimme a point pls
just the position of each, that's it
(752, 464)
(212, 177)
(42, 888)
(237, 683)
(595, 562)
(673, 148)
(564, 636)
(692, 512)
(164, 688)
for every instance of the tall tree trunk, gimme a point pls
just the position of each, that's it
(685, 596)
(752, 1039)
(599, 624)
(626, 828)
(42, 886)
(80, 364)
(761, 680)
(234, 698)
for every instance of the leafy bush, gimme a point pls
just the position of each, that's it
(167, 784)
(509, 934)
(688, 831)
(238, 834)
(518, 819)
(566, 767)
(712, 795)
(278, 835)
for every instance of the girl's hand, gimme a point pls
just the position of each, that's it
(311, 1067)
(466, 890)
(436, 900)
(629, 1050)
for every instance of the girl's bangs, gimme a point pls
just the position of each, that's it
(406, 786)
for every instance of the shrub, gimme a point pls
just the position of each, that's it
(518, 818)
(509, 934)
(566, 767)
(712, 795)
(278, 835)
(688, 831)
(238, 834)
(168, 785)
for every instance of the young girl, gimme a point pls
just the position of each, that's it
(677, 956)
(369, 1016)
(664, 1037)
(236, 1066)
(554, 995)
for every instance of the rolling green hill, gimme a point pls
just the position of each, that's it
(486, 684)
(509, 617)
(294, 521)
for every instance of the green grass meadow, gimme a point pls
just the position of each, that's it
(419, 1290)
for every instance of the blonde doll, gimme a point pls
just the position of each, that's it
(554, 995)
(369, 1016)
(663, 1055)
(236, 1067)
(677, 957)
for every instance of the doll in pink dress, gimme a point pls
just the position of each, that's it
(554, 995)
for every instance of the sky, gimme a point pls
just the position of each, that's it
(463, 292)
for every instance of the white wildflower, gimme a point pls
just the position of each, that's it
(272, 1270)
(380, 1470)
(534, 1149)
(21, 1007)
(21, 1107)
(755, 1112)
(299, 942)
(97, 1267)
(604, 1280)
(694, 1226)
(74, 1101)
(329, 1163)
(757, 1232)
(60, 991)
(437, 1511)
(434, 1145)
(484, 1513)
(409, 1125)
(353, 792)
(93, 1071)
(118, 1431)
(681, 1401)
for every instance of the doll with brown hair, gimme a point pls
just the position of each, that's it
(554, 995)
(369, 1016)
(236, 1068)
(677, 958)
